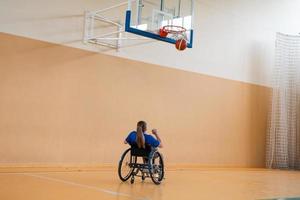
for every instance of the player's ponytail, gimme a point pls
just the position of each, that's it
(140, 139)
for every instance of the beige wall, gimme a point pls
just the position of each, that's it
(60, 105)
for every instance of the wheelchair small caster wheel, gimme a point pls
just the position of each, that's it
(132, 180)
(143, 178)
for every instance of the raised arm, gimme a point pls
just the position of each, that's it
(155, 133)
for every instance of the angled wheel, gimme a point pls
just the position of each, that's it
(125, 168)
(156, 166)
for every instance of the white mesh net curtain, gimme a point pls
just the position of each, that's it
(283, 139)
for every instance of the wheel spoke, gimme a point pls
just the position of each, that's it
(124, 169)
(157, 168)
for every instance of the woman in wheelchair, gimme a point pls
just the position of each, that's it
(143, 146)
(141, 139)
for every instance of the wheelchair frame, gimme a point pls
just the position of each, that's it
(147, 169)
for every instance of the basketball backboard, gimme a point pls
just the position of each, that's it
(147, 17)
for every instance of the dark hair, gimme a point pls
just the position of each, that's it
(140, 139)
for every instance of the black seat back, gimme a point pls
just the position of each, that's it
(135, 151)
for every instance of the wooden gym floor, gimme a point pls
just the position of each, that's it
(210, 184)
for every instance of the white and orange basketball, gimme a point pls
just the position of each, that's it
(181, 44)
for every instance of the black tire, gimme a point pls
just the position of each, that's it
(132, 180)
(125, 161)
(156, 167)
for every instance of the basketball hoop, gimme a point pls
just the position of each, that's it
(177, 32)
(173, 29)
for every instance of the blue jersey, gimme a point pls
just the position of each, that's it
(149, 139)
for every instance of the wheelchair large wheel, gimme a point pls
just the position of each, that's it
(125, 168)
(156, 166)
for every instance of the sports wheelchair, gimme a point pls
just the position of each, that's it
(152, 165)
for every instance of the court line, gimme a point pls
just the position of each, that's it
(114, 193)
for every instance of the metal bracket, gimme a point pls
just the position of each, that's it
(91, 17)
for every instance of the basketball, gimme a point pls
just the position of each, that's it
(163, 33)
(180, 44)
